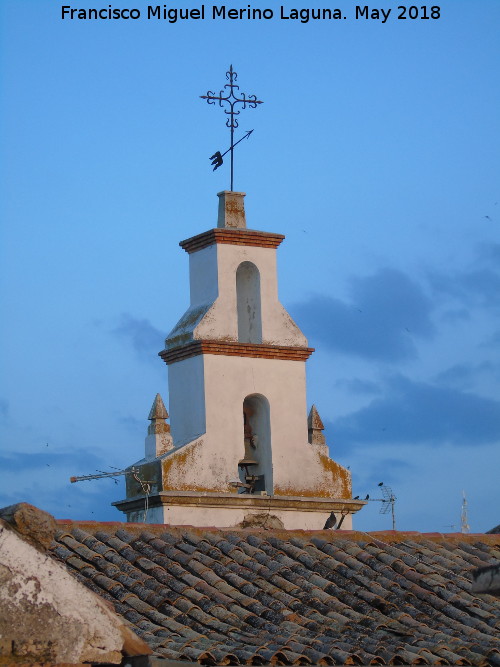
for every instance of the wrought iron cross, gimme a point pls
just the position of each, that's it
(231, 98)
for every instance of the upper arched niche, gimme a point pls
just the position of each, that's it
(248, 303)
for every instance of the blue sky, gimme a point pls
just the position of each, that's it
(376, 153)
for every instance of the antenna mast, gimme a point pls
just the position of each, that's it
(464, 519)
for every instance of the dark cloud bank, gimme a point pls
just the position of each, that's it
(419, 413)
(60, 498)
(465, 376)
(386, 311)
(389, 311)
(477, 285)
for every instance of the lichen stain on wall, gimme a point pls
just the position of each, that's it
(334, 481)
(186, 470)
(316, 492)
(340, 475)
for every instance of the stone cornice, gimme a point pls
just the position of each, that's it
(256, 351)
(248, 237)
(242, 501)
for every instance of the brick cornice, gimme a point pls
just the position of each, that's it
(256, 351)
(248, 237)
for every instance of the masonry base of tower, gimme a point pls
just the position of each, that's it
(228, 510)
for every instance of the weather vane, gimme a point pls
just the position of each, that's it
(230, 96)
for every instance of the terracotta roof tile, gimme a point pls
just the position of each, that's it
(237, 597)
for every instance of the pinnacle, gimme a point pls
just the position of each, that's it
(158, 410)
(314, 420)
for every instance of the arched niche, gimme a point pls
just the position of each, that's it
(248, 303)
(256, 436)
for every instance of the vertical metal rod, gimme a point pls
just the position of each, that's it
(232, 146)
(393, 500)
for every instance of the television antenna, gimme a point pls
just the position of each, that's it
(101, 473)
(145, 484)
(388, 502)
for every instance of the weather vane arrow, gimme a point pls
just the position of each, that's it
(231, 97)
(217, 156)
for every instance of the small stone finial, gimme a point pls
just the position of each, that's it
(231, 210)
(158, 440)
(315, 428)
(158, 409)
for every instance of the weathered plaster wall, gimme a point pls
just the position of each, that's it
(203, 278)
(200, 465)
(49, 617)
(186, 387)
(229, 380)
(221, 321)
(210, 462)
(213, 309)
(157, 444)
(177, 515)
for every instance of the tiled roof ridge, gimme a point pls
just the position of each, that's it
(390, 536)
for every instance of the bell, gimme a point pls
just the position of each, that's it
(248, 459)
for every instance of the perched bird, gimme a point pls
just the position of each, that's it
(330, 522)
(367, 496)
(355, 497)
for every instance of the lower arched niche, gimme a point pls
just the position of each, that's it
(257, 452)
